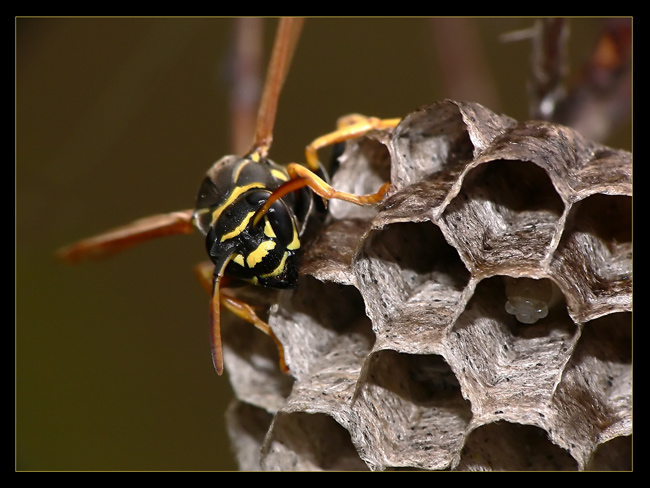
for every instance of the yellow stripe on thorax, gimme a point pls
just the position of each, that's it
(236, 191)
(280, 175)
(238, 170)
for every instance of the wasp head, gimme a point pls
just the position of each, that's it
(260, 250)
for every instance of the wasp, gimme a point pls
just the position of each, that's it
(252, 211)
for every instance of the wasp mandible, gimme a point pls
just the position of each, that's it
(252, 211)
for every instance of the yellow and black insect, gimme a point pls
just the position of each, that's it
(252, 211)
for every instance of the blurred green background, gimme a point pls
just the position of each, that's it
(119, 118)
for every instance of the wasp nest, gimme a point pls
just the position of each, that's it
(479, 319)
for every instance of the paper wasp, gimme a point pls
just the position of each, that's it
(252, 211)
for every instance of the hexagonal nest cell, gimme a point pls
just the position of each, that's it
(478, 319)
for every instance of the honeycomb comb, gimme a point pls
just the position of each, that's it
(401, 348)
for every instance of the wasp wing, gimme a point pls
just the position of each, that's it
(284, 46)
(124, 237)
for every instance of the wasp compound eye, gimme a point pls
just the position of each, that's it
(281, 222)
(257, 198)
(278, 215)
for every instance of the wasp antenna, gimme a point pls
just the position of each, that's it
(286, 39)
(292, 185)
(215, 315)
(215, 329)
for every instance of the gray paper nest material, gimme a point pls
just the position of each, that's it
(401, 352)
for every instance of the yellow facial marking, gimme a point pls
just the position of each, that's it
(278, 270)
(295, 243)
(237, 230)
(239, 259)
(268, 230)
(258, 254)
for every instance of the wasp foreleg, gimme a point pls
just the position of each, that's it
(204, 272)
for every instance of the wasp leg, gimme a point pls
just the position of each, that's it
(246, 312)
(348, 127)
(301, 177)
(324, 190)
(204, 272)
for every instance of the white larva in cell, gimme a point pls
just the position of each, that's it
(529, 299)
